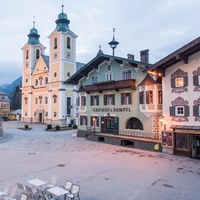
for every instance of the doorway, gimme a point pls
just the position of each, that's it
(40, 117)
(198, 146)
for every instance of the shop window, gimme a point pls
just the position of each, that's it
(134, 123)
(83, 101)
(109, 76)
(125, 98)
(55, 43)
(126, 74)
(109, 99)
(93, 79)
(182, 141)
(37, 53)
(68, 43)
(94, 100)
(149, 97)
(83, 120)
(94, 121)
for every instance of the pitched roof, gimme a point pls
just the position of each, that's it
(148, 80)
(46, 60)
(181, 54)
(94, 63)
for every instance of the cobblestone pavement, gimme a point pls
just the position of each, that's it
(103, 171)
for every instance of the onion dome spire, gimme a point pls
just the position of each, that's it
(33, 36)
(62, 22)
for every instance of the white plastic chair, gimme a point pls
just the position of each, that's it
(74, 192)
(12, 194)
(23, 197)
(30, 191)
(52, 182)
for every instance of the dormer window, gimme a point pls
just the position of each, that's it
(126, 74)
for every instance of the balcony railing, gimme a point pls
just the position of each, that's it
(111, 85)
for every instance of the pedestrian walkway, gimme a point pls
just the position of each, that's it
(103, 171)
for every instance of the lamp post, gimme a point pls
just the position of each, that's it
(94, 122)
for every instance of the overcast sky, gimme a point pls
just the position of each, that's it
(162, 26)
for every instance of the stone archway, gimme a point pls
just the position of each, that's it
(134, 123)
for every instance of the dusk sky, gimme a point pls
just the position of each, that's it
(162, 26)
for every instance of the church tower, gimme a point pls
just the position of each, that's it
(31, 53)
(62, 64)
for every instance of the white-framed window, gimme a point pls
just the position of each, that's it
(94, 100)
(179, 110)
(94, 79)
(126, 74)
(126, 98)
(109, 76)
(179, 82)
(109, 99)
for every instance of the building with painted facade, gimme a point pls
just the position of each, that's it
(181, 100)
(45, 98)
(115, 97)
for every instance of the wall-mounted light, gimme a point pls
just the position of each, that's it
(161, 120)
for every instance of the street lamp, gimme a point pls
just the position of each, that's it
(94, 122)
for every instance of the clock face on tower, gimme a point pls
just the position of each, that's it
(69, 55)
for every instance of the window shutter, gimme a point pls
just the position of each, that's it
(196, 111)
(141, 97)
(122, 98)
(81, 120)
(113, 98)
(105, 97)
(84, 101)
(187, 111)
(78, 101)
(173, 83)
(130, 99)
(97, 100)
(86, 120)
(195, 80)
(91, 121)
(172, 111)
(147, 97)
(185, 80)
(91, 102)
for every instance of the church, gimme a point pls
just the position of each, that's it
(45, 99)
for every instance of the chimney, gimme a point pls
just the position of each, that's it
(130, 56)
(144, 56)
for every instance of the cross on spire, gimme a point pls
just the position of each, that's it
(33, 21)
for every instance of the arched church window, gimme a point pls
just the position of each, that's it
(37, 53)
(134, 123)
(27, 54)
(36, 82)
(36, 100)
(25, 100)
(68, 43)
(40, 99)
(46, 100)
(55, 74)
(40, 79)
(46, 80)
(55, 43)
(54, 98)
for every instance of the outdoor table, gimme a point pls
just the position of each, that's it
(37, 183)
(57, 191)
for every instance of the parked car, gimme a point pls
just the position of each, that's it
(4, 118)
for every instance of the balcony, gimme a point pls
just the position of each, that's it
(110, 85)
